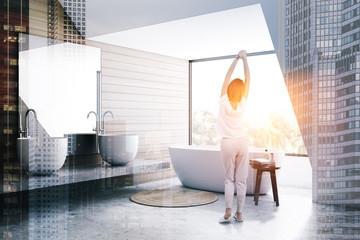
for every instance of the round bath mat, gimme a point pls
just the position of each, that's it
(174, 197)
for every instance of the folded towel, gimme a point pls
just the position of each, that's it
(259, 161)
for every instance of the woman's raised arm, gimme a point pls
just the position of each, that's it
(228, 75)
(247, 74)
(242, 55)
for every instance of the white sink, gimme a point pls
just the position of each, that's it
(42, 155)
(118, 149)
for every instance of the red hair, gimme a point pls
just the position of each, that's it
(236, 90)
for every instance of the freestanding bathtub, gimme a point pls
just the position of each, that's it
(200, 167)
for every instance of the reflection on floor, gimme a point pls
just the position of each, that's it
(76, 169)
(102, 210)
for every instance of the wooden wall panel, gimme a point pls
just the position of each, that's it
(149, 95)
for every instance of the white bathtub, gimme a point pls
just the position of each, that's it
(200, 167)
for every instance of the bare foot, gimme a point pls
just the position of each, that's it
(238, 216)
(227, 213)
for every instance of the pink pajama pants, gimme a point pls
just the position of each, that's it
(235, 159)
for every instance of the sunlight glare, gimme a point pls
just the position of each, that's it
(268, 93)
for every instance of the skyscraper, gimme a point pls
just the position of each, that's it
(322, 73)
(67, 21)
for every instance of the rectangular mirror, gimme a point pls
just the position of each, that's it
(58, 81)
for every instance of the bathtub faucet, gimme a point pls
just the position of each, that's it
(27, 121)
(102, 130)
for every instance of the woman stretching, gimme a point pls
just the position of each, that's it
(234, 147)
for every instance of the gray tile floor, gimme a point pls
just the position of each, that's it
(109, 214)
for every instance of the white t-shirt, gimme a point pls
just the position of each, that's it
(230, 121)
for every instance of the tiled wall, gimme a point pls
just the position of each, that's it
(149, 95)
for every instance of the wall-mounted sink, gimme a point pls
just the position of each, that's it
(118, 149)
(42, 156)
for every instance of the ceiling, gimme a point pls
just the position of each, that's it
(185, 29)
(209, 35)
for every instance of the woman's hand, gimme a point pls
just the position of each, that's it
(241, 54)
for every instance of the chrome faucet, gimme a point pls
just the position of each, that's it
(96, 129)
(27, 121)
(102, 130)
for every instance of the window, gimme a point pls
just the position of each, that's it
(266, 116)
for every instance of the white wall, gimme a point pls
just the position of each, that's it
(149, 95)
(295, 172)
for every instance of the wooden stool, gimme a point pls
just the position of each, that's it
(265, 167)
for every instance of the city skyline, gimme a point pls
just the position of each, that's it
(322, 72)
